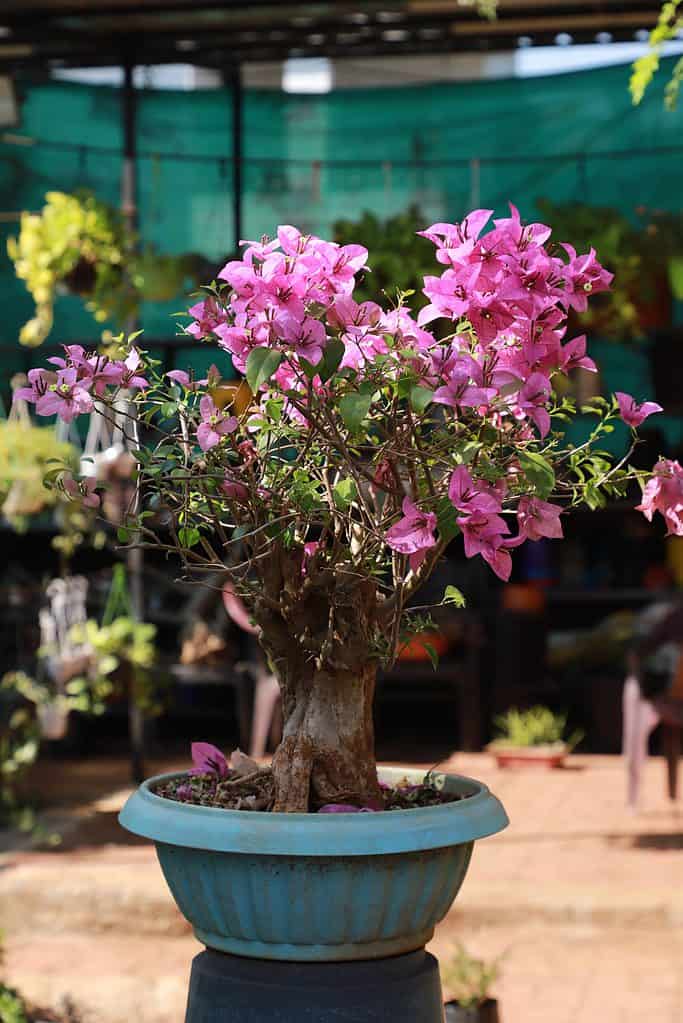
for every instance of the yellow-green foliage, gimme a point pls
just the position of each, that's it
(537, 726)
(124, 643)
(81, 236)
(69, 228)
(469, 980)
(669, 25)
(25, 452)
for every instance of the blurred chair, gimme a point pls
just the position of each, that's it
(266, 689)
(640, 717)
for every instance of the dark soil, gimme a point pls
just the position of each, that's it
(255, 792)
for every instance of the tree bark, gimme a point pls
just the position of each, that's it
(327, 749)
(320, 633)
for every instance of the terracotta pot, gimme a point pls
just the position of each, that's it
(529, 756)
(416, 648)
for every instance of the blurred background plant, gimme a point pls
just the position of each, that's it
(122, 654)
(80, 245)
(399, 257)
(645, 254)
(469, 980)
(669, 26)
(26, 452)
(537, 726)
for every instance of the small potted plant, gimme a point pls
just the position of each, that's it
(533, 738)
(469, 981)
(367, 444)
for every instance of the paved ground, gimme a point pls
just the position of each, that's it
(583, 900)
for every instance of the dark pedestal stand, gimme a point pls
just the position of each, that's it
(232, 989)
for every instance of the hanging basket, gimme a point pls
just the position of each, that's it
(82, 278)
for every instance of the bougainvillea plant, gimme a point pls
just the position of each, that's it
(360, 446)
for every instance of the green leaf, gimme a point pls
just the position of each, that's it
(309, 369)
(420, 397)
(261, 365)
(538, 471)
(452, 595)
(446, 519)
(676, 277)
(332, 357)
(169, 409)
(353, 408)
(433, 656)
(188, 536)
(123, 534)
(345, 492)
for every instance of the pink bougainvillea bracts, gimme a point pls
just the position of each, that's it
(414, 533)
(631, 412)
(664, 493)
(83, 490)
(207, 759)
(373, 436)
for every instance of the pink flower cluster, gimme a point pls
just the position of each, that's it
(68, 391)
(664, 493)
(291, 293)
(515, 294)
(484, 530)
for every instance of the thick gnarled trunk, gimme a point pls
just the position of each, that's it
(320, 634)
(327, 749)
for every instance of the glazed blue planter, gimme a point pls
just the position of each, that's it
(316, 887)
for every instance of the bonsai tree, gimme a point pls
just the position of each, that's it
(330, 484)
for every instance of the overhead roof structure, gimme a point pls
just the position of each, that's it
(87, 33)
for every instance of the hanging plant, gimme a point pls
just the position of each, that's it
(123, 654)
(26, 452)
(79, 245)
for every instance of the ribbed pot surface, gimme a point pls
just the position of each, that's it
(315, 887)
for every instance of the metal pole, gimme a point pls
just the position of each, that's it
(475, 183)
(233, 77)
(134, 559)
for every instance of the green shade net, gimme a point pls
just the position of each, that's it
(310, 160)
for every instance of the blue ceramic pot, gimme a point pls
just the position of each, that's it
(316, 887)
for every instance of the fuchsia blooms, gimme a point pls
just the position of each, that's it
(234, 490)
(483, 529)
(67, 398)
(68, 391)
(214, 425)
(631, 412)
(208, 760)
(82, 490)
(179, 376)
(309, 550)
(327, 363)
(413, 534)
(664, 494)
(39, 381)
(539, 519)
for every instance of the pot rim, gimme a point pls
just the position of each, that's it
(309, 834)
